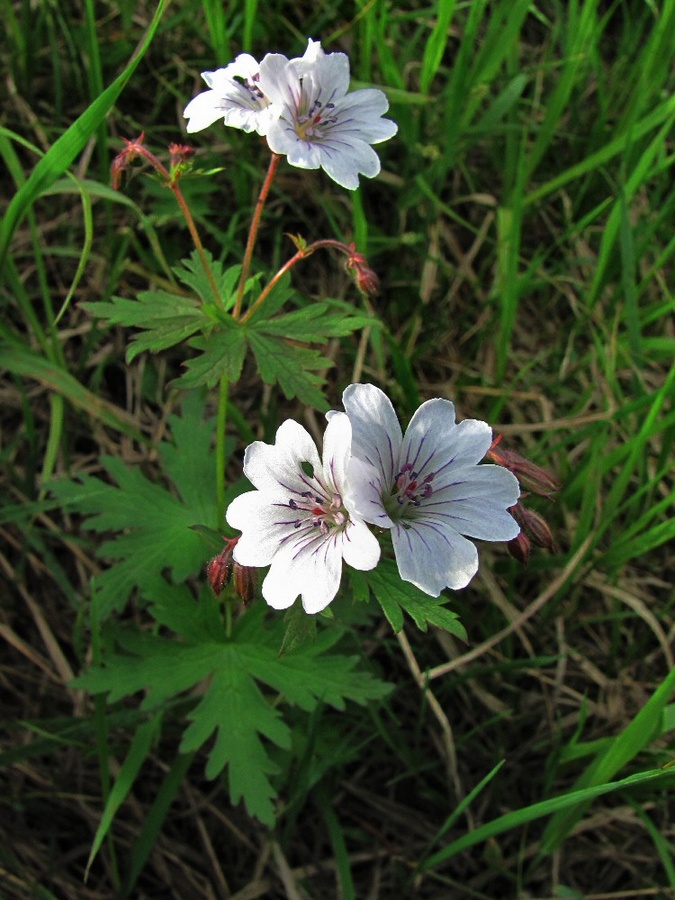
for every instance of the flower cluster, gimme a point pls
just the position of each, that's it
(303, 108)
(426, 486)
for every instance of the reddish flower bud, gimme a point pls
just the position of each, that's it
(537, 528)
(179, 153)
(366, 280)
(132, 149)
(519, 548)
(179, 160)
(531, 476)
(245, 582)
(219, 568)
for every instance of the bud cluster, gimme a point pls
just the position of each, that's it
(534, 527)
(221, 567)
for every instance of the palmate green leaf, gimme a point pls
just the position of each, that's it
(153, 521)
(396, 597)
(234, 709)
(168, 318)
(272, 338)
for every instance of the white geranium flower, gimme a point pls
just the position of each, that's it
(301, 521)
(427, 486)
(316, 123)
(240, 104)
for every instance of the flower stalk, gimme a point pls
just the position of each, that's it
(179, 155)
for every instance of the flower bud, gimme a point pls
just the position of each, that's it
(218, 569)
(538, 529)
(366, 280)
(520, 547)
(132, 149)
(531, 476)
(245, 582)
(179, 160)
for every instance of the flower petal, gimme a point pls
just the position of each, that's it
(337, 442)
(203, 110)
(365, 492)
(360, 548)
(276, 469)
(376, 433)
(314, 575)
(433, 559)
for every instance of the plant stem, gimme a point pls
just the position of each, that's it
(197, 241)
(221, 423)
(302, 253)
(253, 232)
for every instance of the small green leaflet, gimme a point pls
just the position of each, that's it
(237, 681)
(396, 597)
(153, 521)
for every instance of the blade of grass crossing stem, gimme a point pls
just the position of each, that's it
(94, 189)
(146, 840)
(512, 820)
(436, 44)
(137, 755)
(337, 839)
(645, 727)
(64, 150)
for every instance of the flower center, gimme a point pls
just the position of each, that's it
(325, 512)
(251, 85)
(408, 491)
(309, 126)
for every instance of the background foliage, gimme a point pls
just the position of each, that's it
(522, 231)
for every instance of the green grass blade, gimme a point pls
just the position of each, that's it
(512, 820)
(594, 161)
(138, 753)
(646, 726)
(337, 839)
(435, 48)
(20, 360)
(142, 847)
